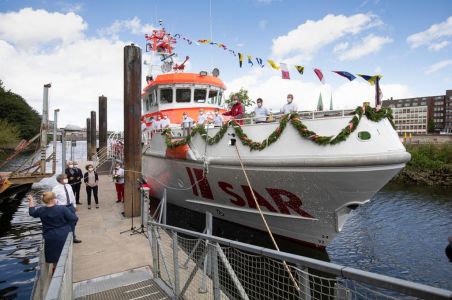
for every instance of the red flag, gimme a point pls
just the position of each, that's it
(319, 75)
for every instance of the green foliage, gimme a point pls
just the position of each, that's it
(16, 111)
(430, 126)
(430, 156)
(294, 119)
(9, 134)
(243, 96)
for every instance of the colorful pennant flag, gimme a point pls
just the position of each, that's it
(319, 75)
(284, 71)
(204, 41)
(250, 61)
(300, 69)
(233, 52)
(320, 103)
(259, 62)
(272, 63)
(240, 59)
(345, 74)
(370, 79)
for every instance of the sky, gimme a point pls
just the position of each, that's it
(78, 47)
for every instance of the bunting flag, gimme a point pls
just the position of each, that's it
(250, 61)
(331, 102)
(319, 75)
(222, 46)
(345, 74)
(233, 52)
(284, 71)
(204, 41)
(240, 59)
(259, 62)
(272, 63)
(370, 79)
(300, 69)
(320, 103)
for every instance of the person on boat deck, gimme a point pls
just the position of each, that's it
(289, 106)
(217, 118)
(56, 224)
(74, 175)
(236, 111)
(165, 122)
(65, 197)
(187, 122)
(156, 125)
(91, 179)
(118, 178)
(260, 112)
(202, 118)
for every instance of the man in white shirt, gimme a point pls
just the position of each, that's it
(156, 125)
(289, 107)
(202, 117)
(187, 122)
(217, 118)
(65, 196)
(260, 112)
(165, 122)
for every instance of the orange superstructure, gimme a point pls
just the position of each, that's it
(193, 78)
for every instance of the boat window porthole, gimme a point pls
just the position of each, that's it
(364, 135)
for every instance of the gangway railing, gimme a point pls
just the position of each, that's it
(242, 271)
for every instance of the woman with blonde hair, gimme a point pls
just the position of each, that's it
(56, 220)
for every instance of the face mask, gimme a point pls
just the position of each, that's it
(165, 117)
(65, 180)
(289, 100)
(71, 166)
(90, 169)
(201, 113)
(185, 116)
(216, 113)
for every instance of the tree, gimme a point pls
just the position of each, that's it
(9, 135)
(16, 111)
(243, 96)
(430, 126)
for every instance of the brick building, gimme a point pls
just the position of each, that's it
(411, 115)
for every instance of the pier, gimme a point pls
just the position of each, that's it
(165, 262)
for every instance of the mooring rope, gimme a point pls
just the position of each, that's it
(286, 266)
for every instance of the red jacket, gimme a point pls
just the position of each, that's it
(236, 112)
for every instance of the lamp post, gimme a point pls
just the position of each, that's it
(55, 129)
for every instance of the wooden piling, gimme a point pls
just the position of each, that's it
(132, 129)
(93, 134)
(88, 139)
(102, 122)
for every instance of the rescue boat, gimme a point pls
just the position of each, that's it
(307, 170)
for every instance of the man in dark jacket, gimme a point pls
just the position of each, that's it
(74, 175)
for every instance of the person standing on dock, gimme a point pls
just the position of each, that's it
(74, 179)
(118, 178)
(78, 182)
(65, 196)
(91, 179)
(56, 224)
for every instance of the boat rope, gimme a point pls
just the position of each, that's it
(286, 266)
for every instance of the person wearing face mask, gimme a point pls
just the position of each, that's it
(187, 122)
(260, 112)
(236, 111)
(217, 118)
(73, 179)
(91, 179)
(289, 107)
(118, 178)
(156, 124)
(165, 122)
(65, 196)
(78, 182)
(202, 118)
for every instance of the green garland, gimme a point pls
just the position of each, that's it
(294, 119)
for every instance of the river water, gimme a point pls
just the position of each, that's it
(402, 232)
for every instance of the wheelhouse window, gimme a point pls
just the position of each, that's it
(166, 95)
(200, 95)
(183, 95)
(220, 97)
(212, 96)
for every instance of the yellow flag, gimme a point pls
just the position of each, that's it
(272, 63)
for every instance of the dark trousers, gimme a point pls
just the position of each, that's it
(88, 193)
(120, 191)
(76, 189)
(73, 224)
